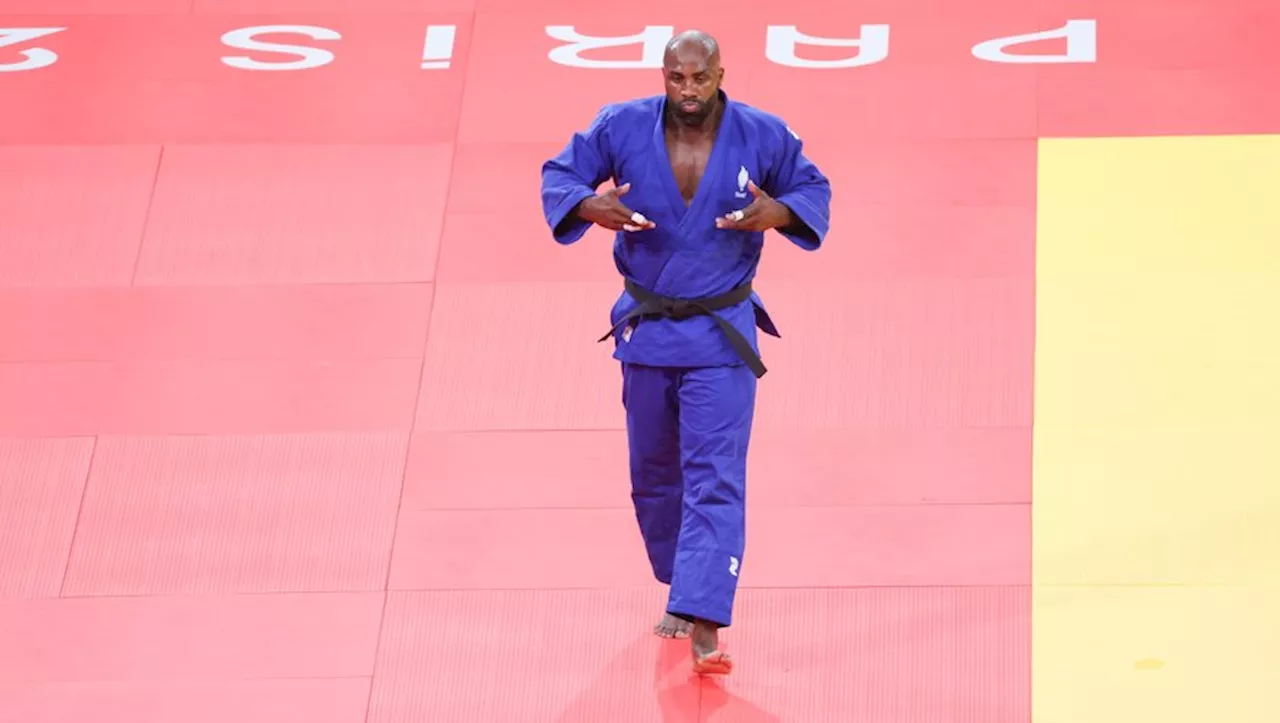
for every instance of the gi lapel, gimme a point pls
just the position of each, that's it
(691, 219)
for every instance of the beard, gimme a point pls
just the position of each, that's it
(686, 113)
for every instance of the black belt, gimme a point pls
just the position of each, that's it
(653, 305)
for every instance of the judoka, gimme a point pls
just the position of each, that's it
(697, 180)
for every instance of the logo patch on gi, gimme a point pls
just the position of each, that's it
(733, 566)
(744, 176)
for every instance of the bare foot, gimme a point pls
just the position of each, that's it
(707, 658)
(671, 626)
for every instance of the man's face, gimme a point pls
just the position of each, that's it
(692, 83)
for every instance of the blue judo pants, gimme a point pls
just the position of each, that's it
(688, 432)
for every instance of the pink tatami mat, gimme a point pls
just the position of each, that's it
(302, 418)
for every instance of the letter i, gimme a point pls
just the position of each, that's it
(437, 51)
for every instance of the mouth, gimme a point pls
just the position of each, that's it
(690, 106)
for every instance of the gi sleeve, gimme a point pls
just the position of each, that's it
(573, 176)
(796, 182)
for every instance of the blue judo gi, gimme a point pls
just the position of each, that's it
(688, 377)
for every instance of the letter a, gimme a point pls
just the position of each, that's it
(653, 39)
(1081, 37)
(781, 40)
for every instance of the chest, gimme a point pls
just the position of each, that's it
(688, 163)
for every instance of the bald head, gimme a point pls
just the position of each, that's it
(691, 45)
(692, 71)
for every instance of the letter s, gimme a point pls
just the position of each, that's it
(36, 58)
(310, 57)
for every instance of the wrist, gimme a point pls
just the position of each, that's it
(784, 215)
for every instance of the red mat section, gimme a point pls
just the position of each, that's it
(372, 321)
(40, 491)
(302, 415)
(206, 396)
(203, 514)
(72, 216)
(295, 214)
(188, 637)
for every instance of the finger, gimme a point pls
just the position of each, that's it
(750, 218)
(733, 218)
(639, 220)
(619, 190)
(737, 219)
(755, 190)
(620, 213)
(616, 215)
(627, 217)
(730, 220)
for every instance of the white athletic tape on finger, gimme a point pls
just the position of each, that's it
(638, 219)
(737, 215)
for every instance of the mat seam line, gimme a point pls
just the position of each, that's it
(769, 507)
(422, 369)
(75, 529)
(146, 221)
(404, 473)
(807, 587)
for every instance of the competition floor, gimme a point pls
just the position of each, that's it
(302, 418)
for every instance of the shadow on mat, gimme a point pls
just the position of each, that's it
(725, 706)
(618, 693)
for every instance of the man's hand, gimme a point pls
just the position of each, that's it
(606, 210)
(763, 214)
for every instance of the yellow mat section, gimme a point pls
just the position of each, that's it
(1157, 444)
